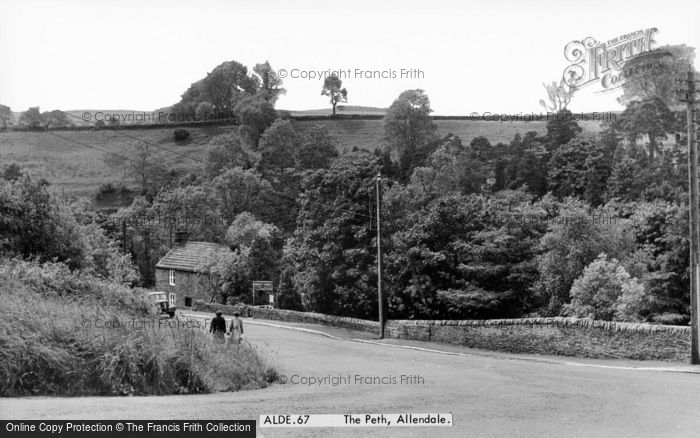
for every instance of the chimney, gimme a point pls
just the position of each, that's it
(180, 238)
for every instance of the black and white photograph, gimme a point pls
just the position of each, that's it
(378, 218)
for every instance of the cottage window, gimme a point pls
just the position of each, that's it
(172, 278)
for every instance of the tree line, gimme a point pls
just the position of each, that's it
(296, 211)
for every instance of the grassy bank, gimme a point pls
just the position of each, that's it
(64, 333)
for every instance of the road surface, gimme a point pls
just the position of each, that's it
(488, 394)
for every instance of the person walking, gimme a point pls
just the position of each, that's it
(218, 327)
(236, 329)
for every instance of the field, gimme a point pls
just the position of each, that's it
(73, 161)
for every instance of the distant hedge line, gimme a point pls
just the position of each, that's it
(300, 118)
(129, 126)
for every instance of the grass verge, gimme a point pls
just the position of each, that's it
(66, 333)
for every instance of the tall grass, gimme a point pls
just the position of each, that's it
(64, 333)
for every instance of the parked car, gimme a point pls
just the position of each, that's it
(165, 302)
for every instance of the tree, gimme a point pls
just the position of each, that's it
(55, 119)
(34, 224)
(656, 75)
(528, 171)
(31, 119)
(580, 168)
(190, 209)
(662, 228)
(145, 244)
(561, 129)
(224, 274)
(451, 168)
(255, 114)
(331, 252)
(278, 145)
(246, 229)
(103, 255)
(270, 83)
(649, 117)
(332, 88)
(572, 242)
(523, 164)
(452, 260)
(287, 296)
(225, 151)
(262, 245)
(624, 182)
(409, 130)
(5, 116)
(558, 96)
(204, 110)
(482, 149)
(222, 88)
(318, 148)
(144, 166)
(238, 190)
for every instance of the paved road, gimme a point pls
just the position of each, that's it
(489, 395)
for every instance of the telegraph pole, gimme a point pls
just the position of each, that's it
(693, 188)
(124, 235)
(379, 258)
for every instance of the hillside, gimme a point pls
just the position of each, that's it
(73, 160)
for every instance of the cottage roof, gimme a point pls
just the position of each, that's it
(189, 256)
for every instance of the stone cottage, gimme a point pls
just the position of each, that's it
(177, 271)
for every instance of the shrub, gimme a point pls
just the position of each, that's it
(632, 302)
(605, 291)
(34, 224)
(12, 172)
(105, 189)
(108, 189)
(181, 134)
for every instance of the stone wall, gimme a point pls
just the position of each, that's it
(554, 336)
(551, 336)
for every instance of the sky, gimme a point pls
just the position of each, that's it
(468, 56)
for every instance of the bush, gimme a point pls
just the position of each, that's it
(12, 172)
(181, 134)
(605, 291)
(105, 189)
(34, 224)
(108, 189)
(72, 334)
